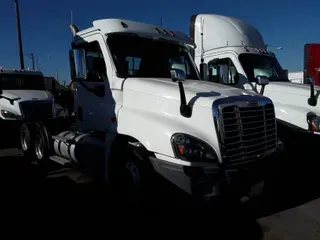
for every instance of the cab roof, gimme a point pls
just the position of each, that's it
(20, 71)
(223, 31)
(108, 26)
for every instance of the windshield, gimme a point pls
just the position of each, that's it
(146, 58)
(259, 65)
(21, 82)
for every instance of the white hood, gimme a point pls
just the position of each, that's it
(27, 95)
(204, 92)
(291, 101)
(290, 88)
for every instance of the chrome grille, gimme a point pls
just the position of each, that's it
(248, 132)
(36, 110)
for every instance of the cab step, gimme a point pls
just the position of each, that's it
(60, 160)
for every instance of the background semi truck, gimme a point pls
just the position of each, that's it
(23, 100)
(236, 55)
(311, 65)
(139, 118)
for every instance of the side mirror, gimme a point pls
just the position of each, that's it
(262, 81)
(78, 64)
(285, 71)
(178, 75)
(310, 80)
(203, 71)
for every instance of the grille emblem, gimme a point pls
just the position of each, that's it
(253, 103)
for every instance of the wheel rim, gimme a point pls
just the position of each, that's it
(24, 142)
(39, 147)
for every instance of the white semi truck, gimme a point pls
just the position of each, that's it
(23, 100)
(235, 54)
(296, 77)
(139, 117)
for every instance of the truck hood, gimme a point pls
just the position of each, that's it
(198, 92)
(290, 88)
(291, 102)
(27, 95)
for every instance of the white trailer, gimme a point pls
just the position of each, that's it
(140, 118)
(236, 55)
(296, 77)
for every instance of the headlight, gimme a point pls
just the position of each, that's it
(8, 115)
(314, 123)
(192, 149)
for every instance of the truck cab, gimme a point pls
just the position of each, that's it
(236, 56)
(25, 100)
(143, 112)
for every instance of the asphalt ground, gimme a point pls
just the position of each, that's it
(290, 208)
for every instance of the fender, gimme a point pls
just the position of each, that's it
(154, 130)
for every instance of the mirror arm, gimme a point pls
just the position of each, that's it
(312, 101)
(262, 90)
(185, 110)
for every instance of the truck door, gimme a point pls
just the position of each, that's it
(95, 104)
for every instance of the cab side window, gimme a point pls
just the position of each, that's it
(96, 66)
(181, 63)
(223, 71)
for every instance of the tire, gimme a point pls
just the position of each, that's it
(132, 176)
(26, 141)
(41, 143)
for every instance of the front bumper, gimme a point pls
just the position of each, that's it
(206, 182)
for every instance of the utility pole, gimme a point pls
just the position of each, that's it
(57, 74)
(33, 61)
(38, 66)
(16, 5)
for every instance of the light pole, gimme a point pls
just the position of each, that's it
(16, 6)
(274, 47)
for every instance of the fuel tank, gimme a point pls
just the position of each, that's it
(84, 150)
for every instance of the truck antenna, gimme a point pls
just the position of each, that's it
(161, 22)
(202, 50)
(71, 21)
(71, 16)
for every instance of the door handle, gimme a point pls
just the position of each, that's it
(90, 112)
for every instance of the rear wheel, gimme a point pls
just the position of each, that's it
(41, 143)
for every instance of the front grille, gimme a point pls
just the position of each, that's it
(36, 110)
(248, 132)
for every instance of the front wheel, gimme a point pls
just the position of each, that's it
(132, 176)
(26, 141)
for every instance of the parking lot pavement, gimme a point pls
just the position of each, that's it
(286, 214)
(302, 222)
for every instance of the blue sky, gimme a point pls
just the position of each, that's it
(45, 30)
